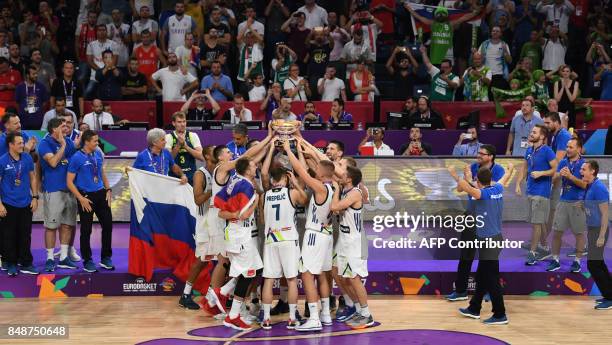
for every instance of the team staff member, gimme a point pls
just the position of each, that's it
(184, 145)
(596, 201)
(18, 200)
(60, 206)
(12, 124)
(489, 205)
(156, 158)
(86, 179)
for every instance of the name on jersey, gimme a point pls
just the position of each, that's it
(278, 197)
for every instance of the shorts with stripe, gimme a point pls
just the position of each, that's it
(281, 259)
(317, 249)
(350, 267)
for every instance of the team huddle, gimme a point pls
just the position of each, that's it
(253, 212)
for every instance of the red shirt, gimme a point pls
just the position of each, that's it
(87, 35)
(385, 17)
(582, 7)
(147, 60)
(11, 77)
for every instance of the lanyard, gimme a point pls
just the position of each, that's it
(162, 168)
(33, 90)
(532, 158)
(588, 188)
(572, 168)
(66, 90)
(17, 169)
(94, 164)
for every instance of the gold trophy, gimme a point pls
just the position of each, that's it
(285, 129)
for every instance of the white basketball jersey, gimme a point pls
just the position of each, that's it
(238, 232)
(352, 240)
(215, 187)
(280, 216)
(203, 209)
(177, 30)
(318, 217)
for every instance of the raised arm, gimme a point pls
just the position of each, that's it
(417, 16)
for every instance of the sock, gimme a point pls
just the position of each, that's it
(63, 251)
(243, 308)
(314, 310)
(533, 253)
(357, 307)
(50, 254)
(266, 308)
(348, 301)
(365, 311)
(236, 307)
(228, 288)
(187, 289)
(209, 297)
(284, 290)
(556, 257)
(292, 309)
(71, 250)
(325, 306)
(577, 259)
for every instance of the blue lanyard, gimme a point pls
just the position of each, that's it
(162, 168)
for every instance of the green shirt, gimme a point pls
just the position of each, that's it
(540, 92)
(283, 73)
(441, 41)
(440, 91)
(534, 51)
(475, 90)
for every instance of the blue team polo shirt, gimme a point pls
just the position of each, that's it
(159, 164)
(539, 160)
(54, 179)
(497, 171)
(85, 167)
(490, 207)
(569, 191)
(4, 146)
(596, 194)
(11, 170)
(559, 140)
(236, 150)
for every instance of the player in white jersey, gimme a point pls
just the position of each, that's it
(352, 246)
(281, 249)
(202, 192)
(316, 256)
(175, 28)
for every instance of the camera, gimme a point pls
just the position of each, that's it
(467, 135)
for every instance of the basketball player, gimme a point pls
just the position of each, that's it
(281, 249)
(316, 256)
(352, 247)
(202, 191)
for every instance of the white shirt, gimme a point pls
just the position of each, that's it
(139, 3)
(332, 88)
(257, 26)
(96, 48)
(557, 15)
(183, 54)
(494, 56)
(314, 18)
(52, 114)
(193, 138)
(383, 150)
(4, 51)
(114, 34)
(149, 24)
(554, 55)
(289, 84)
(257, 93)
(95, 122)
(520, 113)
(172, 83)
(369, 30)
(235, 118)
(177, 30)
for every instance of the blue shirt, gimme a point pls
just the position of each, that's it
(159, 164)
(497, 171)
(31, 99)
(569, 191)
(54, 179)
(521, 129)
(595, 195)
(469, 149)
(319, 118)
(4, 146)
(224, 82)
(236, 150)
(87, 167)
(490, 207)
(13, 193)
(559, 140)
(606, 86)
(539, 160)
(345, 117)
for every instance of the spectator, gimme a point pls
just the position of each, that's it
(565, 92)
(525, 28)
(9, 79)
(377, 135)
(338, 35)
(134, 86)
(47, 45)
(471, 147)
(94, 56)
(338, 114)
(119, 32)
(256, 90)
(226, 15)
(523, 72)
(251, 55)
(238, 113)
(176, 81)
(83, 127)
(536, 113)
(401, 65)
(46, 71)
(240, 138)
(496, 9)
(175, 28)
(250, 24)
(361, 82)
(59, 110)
(98, 117)
(116, 118)
(109, 79)
(28, 35)
(315, 15)
(276, 12)
(285, 57)
(69, 89)
(518, 138)
(596, 57)
(222, 30)
(219, 84)
(319, 44)
(297, 33)
(148, 56)
(533, 49)
(31, 96)
(283, 112)
(408, 110)
(554, 49)
(272, 100)
(557, 13)
(355, 50)
(85, 35)
(4, 47)
(415, 147)
(189, 55)
(365, 22)
(296, 87)
(310, 114)
(200, 112)
(138, 5)
(184, 146)
(605, 76)
(496, 56)
(476, 80)
(425, 117)
(330, 87)
(144, 23)
(211, 50)
(553, 107)
(16, 62)
(384, 11)
(443, 80)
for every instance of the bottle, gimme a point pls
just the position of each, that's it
(359, 126)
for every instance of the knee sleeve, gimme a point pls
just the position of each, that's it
(242, 286)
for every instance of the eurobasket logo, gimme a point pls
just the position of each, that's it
(168, 284)
(140, 285)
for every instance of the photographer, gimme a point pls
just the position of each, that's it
(377, 135)
(285, 57)
(364, 21)
(415, 147)
(315, 15)
(471, 147)
(401, 65)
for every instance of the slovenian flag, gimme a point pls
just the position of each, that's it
(163, 222)
(428, 12)
(237, 195)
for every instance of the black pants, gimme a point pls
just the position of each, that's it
(466, 258)
(103, 212)
(596, 264)
(499, 82)
(487, 280)
(17, 235)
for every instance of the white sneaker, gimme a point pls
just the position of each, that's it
(74, 256)
(326, 320)
(254, 309)
(220, 316)
(309, 326)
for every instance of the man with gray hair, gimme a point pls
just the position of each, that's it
(240, 138)
(156, 158)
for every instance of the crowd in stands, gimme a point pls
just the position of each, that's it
(278, 51)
